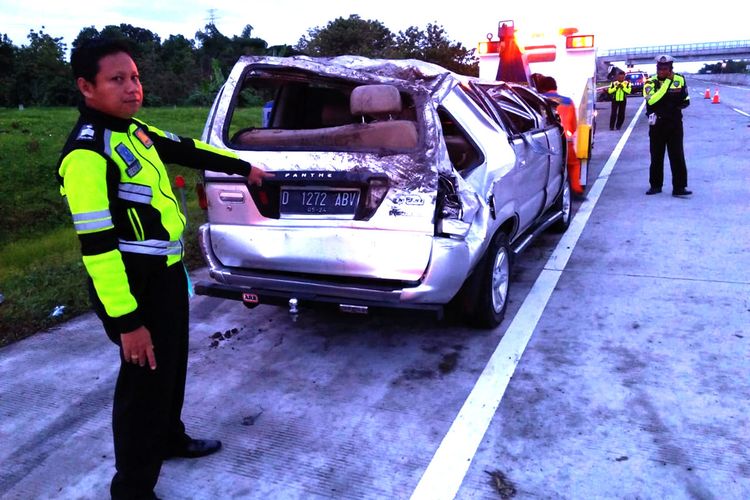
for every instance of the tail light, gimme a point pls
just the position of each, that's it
(579, 42)
(200, 190)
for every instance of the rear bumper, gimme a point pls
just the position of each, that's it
(448, 268)
(253, 296)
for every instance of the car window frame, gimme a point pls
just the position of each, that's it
(289, 77)
(546, 116)
(460, 126)
(479, 96)
(512, 104)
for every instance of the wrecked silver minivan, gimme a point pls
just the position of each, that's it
(398, 184)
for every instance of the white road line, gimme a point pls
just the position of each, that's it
(445, 473)
(722, 85)
(743, 113)
(719, 84)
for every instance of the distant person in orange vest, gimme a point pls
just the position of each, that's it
(569, 119)
(620, 88)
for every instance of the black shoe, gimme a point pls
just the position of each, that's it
(653, 190)
(681, 192)
(611, 128)
(195, 448)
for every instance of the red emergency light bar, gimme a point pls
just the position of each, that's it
(489, 47)
(540, 53)
(579, 42)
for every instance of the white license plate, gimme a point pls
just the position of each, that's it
(318, 201)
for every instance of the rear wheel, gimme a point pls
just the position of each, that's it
(563, 205)
(490, 285)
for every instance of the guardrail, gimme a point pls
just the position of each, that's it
(742, 79)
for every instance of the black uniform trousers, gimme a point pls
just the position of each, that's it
(146, 420)
(667, 134)
(617, 116)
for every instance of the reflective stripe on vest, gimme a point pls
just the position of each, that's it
(137, 193)
(151, 247)
(91, 221)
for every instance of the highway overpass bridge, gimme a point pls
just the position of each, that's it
(689, 52)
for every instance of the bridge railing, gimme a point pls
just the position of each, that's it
(677, 49)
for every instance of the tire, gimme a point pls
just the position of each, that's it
(490, 284)
(563, 205)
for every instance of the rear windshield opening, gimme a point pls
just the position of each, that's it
(322, 115)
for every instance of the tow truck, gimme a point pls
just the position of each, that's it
(565, 54)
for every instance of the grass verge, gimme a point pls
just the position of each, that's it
(40, 262)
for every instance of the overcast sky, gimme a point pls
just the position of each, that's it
(615, 25)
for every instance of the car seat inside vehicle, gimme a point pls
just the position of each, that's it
(373, 121)
(461, 151)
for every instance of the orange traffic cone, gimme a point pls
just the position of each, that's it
(707, 95)
(716, 97)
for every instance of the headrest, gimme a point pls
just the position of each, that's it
(375, 100)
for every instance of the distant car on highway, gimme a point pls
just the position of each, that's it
(398, 184)
(636, 79)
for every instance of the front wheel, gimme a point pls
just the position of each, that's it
(491, 284)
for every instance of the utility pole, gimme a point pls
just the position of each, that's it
(212, 17)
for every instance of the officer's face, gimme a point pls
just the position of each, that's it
(116, 90)
(663, 71)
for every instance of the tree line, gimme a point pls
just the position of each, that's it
(729, 66)
(184, 71)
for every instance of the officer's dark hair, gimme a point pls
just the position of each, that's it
(85, 58)
(546, 84)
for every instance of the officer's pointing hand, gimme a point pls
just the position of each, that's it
(257, 174)
(137, 347)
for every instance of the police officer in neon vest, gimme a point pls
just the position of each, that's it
(619, 90)
(130, 226)
(666, 96)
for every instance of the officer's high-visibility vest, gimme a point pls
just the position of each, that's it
(667, 98)
(620, 89)
(112, 173)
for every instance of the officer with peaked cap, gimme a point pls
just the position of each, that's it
(665, 59)
(112, 173)
(666, 96)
